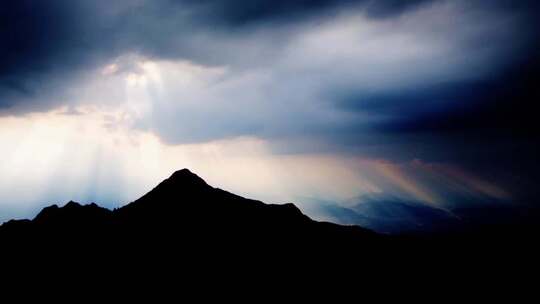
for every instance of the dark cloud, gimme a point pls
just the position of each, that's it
(239, 13)
(504, 106)
(44, 41)
(46, 44)
(487, 124)
(490, 126)
(242, 12)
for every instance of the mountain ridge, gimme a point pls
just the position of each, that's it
(173, 208)
(184, 226)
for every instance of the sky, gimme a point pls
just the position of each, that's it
(315, 102)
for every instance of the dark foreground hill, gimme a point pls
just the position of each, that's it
(186, 227)
(183, 210)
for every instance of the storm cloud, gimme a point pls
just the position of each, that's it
(49, 45)
(46, 44)
(441, 81)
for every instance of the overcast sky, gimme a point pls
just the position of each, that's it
(285, 101)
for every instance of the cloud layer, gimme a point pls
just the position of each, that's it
(444, 82)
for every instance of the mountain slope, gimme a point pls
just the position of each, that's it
(184, 228)
(181, 213)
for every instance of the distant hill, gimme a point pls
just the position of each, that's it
(394, 216)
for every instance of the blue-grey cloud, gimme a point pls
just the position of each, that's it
(46, 44)
(437, 80)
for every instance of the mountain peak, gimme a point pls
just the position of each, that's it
(182, 172)
(185, 176)
(72, 204)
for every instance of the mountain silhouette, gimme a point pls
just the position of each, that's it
(186, 227)
(182, 215)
